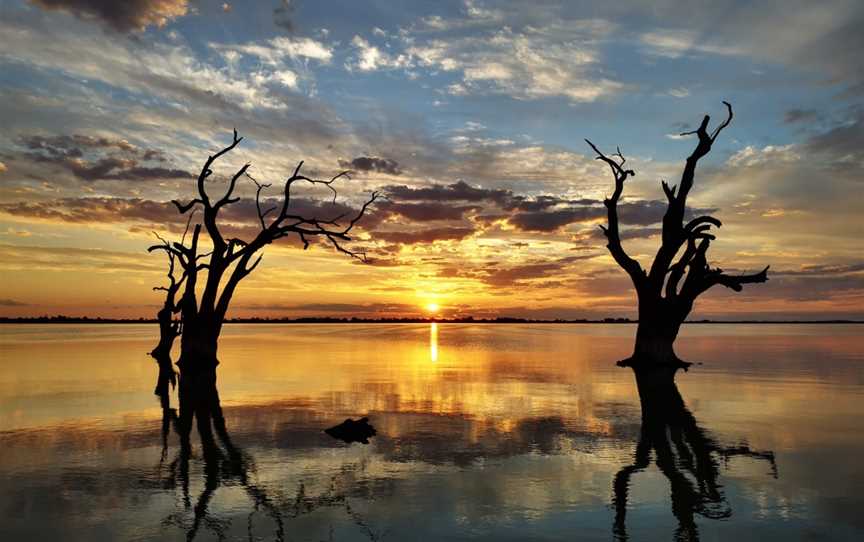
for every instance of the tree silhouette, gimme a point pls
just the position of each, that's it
(667, 292)
(218, 272)
(169, 326)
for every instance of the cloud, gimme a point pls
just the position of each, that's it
(793, 116)
(424, 236)
(640, 213)
(3, 167)
(843, 141)
(171, 78)
(282, 15)
(536, 62)
(372, 163)
(820, 270)
(751, 156)
(239, 219)
(507, 276)
(95, 210)
(99, 158)
(548, 221)
(123, 16)
(629, 233)
(6, 302)
(58, 259)
(673, 43)
(502, 276)
(458, 191)
(679, 92)
(339, 309)
(542, 213)
(368, 57)
(427, 211)
(274, 52)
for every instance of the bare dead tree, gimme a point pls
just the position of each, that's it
(667, 291)
(170, 325)
(218, 273)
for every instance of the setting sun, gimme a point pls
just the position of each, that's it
(432, 307)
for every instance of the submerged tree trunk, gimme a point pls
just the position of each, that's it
(659, 324)
(199, 399)
(168, 331)
(199, 347)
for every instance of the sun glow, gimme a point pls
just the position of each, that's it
(432, 307)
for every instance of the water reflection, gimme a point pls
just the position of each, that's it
(516, 433)
(433, 342)
(687, 456)
(684, 452)
(227, 465)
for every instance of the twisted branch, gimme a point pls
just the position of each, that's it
(637, 274)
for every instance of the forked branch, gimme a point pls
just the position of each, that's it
(637, 274)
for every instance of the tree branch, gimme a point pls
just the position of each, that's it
(674, 232)
(631, 266)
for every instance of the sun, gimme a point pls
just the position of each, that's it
(432, 307)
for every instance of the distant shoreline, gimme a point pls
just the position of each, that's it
(313, 320)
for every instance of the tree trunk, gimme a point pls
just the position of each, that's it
(655, 343)
(659, 323)
(199, 346)
(168, 331)
(165, 378)
(162, 354)
(199, 399)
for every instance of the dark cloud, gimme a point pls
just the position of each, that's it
(845, 287)
(458, 191)
(121, 15)
(426, 211)
(496, 276)
(99, 209)
(541, 213)
(98, 158)
(639, 213)
(631, 233)
(793, 116)
(820, 270)
(540, 203)
(548, 221)
(372, 163)
(282, 15)
(502, 276)
(424, 236)
(12, 303)
(844, 140)
(236, 220)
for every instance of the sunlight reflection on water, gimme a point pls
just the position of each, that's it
(489, 432)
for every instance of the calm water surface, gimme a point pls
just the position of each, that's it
(496, 432)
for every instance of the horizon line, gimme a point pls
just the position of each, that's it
(63, 319)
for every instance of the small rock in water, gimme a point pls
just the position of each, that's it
(352, 431)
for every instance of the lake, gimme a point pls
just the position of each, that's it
(485, 432)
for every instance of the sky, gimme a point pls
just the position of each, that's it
(469, 116)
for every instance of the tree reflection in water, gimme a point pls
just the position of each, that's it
(227, 465)
(684, 452)
(686, 455)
